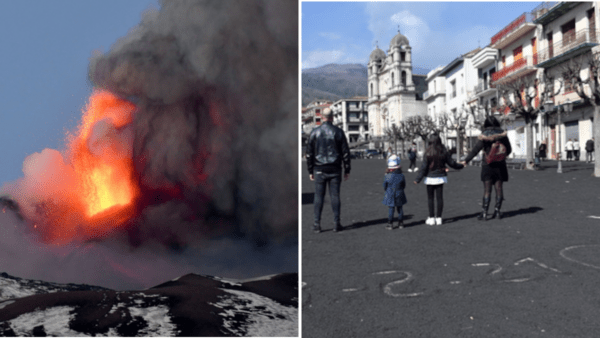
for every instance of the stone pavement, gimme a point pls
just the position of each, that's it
(533, 273)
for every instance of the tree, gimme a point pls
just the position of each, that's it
(395, 133)
(422, 126)
(456, 120)
(588, 89)
(519, 96)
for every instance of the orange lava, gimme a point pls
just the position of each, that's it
(106, 175)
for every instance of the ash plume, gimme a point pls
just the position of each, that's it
(215, 84)
(213, 142)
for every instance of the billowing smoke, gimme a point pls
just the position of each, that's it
(216, 88)
(212, 141)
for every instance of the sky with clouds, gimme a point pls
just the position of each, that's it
(46, 47)
(438, 32)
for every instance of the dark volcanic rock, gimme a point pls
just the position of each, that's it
(192, 305)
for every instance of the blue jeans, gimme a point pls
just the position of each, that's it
(334, 181)
(391, 214)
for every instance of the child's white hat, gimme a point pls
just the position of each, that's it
(393, 162)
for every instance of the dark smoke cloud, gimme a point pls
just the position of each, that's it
(214, 143)
(215, 83)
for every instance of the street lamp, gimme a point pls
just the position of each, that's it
(567, 107)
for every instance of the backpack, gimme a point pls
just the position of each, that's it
(497, 153)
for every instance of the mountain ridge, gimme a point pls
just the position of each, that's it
(191, 305)
(337, 81)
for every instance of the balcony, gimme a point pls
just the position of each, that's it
(550, 11)
(509, 34)
(523, 66)
(481, 86)
(571, 45)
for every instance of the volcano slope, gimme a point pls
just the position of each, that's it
(192, 305)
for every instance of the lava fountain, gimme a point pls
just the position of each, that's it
(88, 191)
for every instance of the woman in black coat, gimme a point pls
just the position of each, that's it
(434, 170)
(495, 173)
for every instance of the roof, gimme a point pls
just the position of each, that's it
(377, 55)
(399, 40)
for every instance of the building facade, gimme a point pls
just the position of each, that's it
(394, 93)
(568, 34)
(311, 115)
(351, 115)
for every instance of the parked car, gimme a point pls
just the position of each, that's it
(372, 153)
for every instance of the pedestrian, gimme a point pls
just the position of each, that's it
(589, 150)
(388, 153)
(412, 157)
(327, 153)
(496, 147)
(542, 151)
(569, 149)
(394, 184)
(576, 149)
(434, 170)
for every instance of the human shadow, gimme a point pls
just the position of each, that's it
(358, 225)
(522, 211)
(308, 198)
(460, 218)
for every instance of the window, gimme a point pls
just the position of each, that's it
(569, 88)
(503, 61)
(392, 79)
(550, 45)
(517, 54)
(453, 87)
(403, 78)
(371, 90)
(568, 32)
(402, 56)
(592, 24)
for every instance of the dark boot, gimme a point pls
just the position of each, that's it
(316, 228)
(497, 214)
(485, 206)
(337, 227)
(389, 225)
(400, 224)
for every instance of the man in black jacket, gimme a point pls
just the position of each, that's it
(589, 150)
(327, 151)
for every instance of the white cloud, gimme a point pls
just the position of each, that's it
(330, 35)
(311, 59)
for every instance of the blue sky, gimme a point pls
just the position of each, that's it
(46, 46)
(438, 32)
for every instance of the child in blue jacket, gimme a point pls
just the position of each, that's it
(393, 184)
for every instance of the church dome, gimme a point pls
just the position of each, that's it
(399, 40)
(377, 55)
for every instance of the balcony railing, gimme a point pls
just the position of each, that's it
(527, 61)
(542, 9)
(481, 86)
(569, 41)
(522, 19)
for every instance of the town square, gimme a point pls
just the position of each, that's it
(518, 258)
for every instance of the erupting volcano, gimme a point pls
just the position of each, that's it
(104, 172)
(185, 156)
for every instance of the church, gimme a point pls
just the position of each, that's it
(394, 92)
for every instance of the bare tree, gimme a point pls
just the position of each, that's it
(456, 120)
(395, 133)
(588, 90)
(519, 96)
(422, 126)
